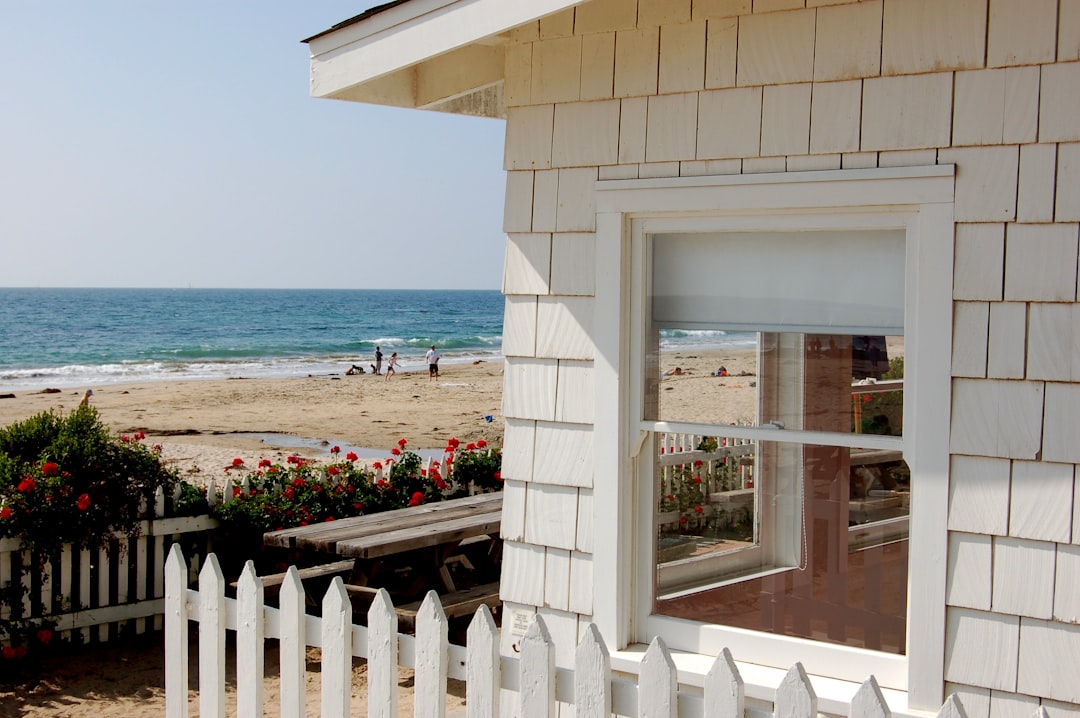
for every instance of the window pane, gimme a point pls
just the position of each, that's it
(819, 382)
(800, 540)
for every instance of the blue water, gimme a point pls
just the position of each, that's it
(86, 337)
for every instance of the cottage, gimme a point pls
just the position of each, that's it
(846, 182)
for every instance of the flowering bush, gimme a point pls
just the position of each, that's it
(476, 465)
(273, 497)
(68, 479)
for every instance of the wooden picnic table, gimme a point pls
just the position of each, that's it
(425, 536)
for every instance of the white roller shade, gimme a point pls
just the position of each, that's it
(814, 282)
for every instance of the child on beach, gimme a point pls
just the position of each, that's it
(390, 365)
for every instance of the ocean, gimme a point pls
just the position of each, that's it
(88, 337)
(63, 338)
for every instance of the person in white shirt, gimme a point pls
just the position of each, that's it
(432, 357)
(391, 365)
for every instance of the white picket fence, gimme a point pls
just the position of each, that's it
(95, 595)
(531, 678)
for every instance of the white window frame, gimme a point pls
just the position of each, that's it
(918, 200)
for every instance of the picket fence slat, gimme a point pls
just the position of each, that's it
(382, 651)
(527, 684)
(293, 645)
(337, 651)
(432, 643)
(483, 669)
(249, 643)
(537, 682)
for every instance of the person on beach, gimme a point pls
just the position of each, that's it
(354, 370)
(432, 358)
(391, 364)
(378, 360)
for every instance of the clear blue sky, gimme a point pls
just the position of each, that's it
(153, 144)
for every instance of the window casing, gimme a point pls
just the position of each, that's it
(916, 202)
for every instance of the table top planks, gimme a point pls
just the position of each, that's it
(398, 530)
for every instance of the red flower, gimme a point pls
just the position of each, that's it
(333, 470)
(44, 635)
(8, 652)
(480, 444)
(684, 520)
(335, 449)
(329, 519)
(5, 513)
(139, 436)
(27, 485)
(381, 483)
(377, 465)
(351, 456)
(448, 450)
(236, 491)
(49, 468)
(402, 442)
(470, 447)
(498, 476)
(84, 502)
(867, 398)
(698, 462)
(697, 479)
(298, 483)
(440, 484)
(289, 493)
(699, 509)
(453, 442)
(237, 461)
(417, 499)
(264, 463)
(395, 451)
(358, 506)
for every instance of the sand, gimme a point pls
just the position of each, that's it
(203, 425)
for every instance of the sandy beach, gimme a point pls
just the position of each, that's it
(203, 425)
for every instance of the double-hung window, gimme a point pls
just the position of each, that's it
(780, 361)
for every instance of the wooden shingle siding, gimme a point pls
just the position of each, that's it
(584, 540)
(522, 579)
(1041, 501)
(598, 66)
(1005, 353)
(738, 111)
(1067, 197)
(520, 436)
(776, 48)
(564, 327)
(573, 263)
(512, 527)
(557, 579)
(586, 134)
(671, 128)
(920, 36)
(1047, 660)
(1041, 262)
(581, 584)
(1022, 32)
(1035, 196)
(971, 560)
(574, 394)
(1067, 584)
(979, 262)
(848, 42)
(1054, 342)
(528, 137)
(907, 112)
(1068, 31)
(985, 182)
(1020, 565)
(529, 388)
(785, 119)
(519, 326)
(517, 213)
(1059, 103)
(551, 516)
(564, 455)
(997, 418)
(981, 648)
(971, 323)
(545, 200)
(527, 266)
(979, 495)
(835, 111)
(721, 47)
(682, 57)
(577, 200)
(1062, 416)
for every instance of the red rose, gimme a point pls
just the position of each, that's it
(289, 493)
(236, 491)
(684, 520)
(440, 484)
(448, 450)
(5, 513)
(351, 456)
(498, 476)
(44, 635)
(470, 447)
(453, 442)
(49, 468)
(480, 444)
(377, 465)
(699, 509)
(395, 451)
(329, 519)
(335, 449)
(264, 463)
(381, 483)
(697, 479)
(237, 461)
(698, 462)
(84, 502)
(8, 652)
(358, 506)
(402, 442)
(27, 485)
(417, 499)
(333, 470)
(298, 483)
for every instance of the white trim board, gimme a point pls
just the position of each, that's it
(411, 33)
(918, 200)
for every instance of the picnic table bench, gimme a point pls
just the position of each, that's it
(422, 537)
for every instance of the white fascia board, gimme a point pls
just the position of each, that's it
(411, 33)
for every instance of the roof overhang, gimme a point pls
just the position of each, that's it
(445, 55)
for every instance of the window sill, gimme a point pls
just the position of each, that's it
(834, 695)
